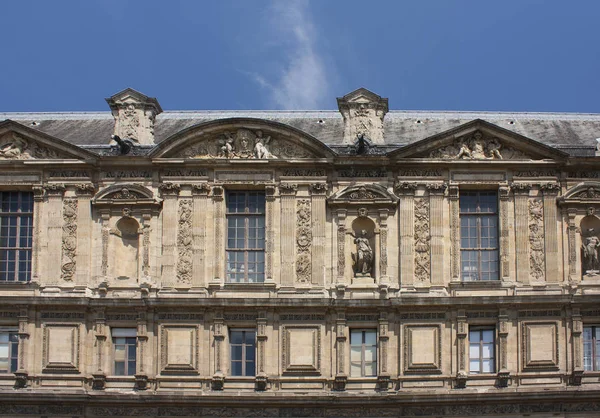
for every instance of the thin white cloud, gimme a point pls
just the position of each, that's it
(300, 80)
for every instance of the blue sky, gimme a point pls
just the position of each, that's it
(509, 55)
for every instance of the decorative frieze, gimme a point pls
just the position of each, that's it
(184, 242)
(303, 241)
(173, 316)
(69, 239)
(302, 317)
(303, 172)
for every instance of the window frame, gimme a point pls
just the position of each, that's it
(480, 329)
(251, 220)
(8, 275)
(244, 345)
(12, 348)
(595, 348)
(363, 346)
(131, 340)
(479, 249)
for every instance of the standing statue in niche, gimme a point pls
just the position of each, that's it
(590, 252)
(363, 258)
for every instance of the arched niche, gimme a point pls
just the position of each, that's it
(590, 243)
(127, 216)
(363, 256)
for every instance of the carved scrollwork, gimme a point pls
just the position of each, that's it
(184, 242)
(69, 239)
(536, 239)
(303, 241)
(422, 237)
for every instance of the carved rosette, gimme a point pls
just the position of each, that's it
(536, 239)
(303, 241)
(69, 239)
(184, 242)
(422, 237)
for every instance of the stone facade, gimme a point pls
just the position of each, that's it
(352, 237)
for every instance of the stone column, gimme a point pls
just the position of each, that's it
(141, 377)
(53, 265)
(577, 330)
(218, 266)
(105, 216)
(550, 192)
(503, 372)
(383, 377)
(23, 335)
(99, 373)
(436, 210)
(503, 193)
(341, 376)
(383, 247)
(287, 238)
(521, 193)
(453, 196)
(219, 336)
(341, 247)
(147, 272)
(269, 233)
(261, 348)
(574, 258)
(38, 199)
(406, 191)
(170, 192)
(200, 205)
(462, 348)
(84, 234)
(319, 220)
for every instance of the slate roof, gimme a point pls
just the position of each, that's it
(571, 132)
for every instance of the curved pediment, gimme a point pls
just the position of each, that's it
(125, 194)
(242, 138)
(363, 194)
(584, 192)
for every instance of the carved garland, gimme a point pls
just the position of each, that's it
(303, 241)
(69, 239)
(422, 237)
(184, 242)
(536, 239)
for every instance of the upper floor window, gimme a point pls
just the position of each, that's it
(245, 237)
(125, 346)
(363, 352)
(482, 352)
(16, 231)
(591, 348)
(9, 351)
(479, 235)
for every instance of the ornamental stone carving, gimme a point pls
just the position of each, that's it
(135, 115)
(245, 144)
(184, 242)
(536, 239)
(363, 257)
(69, 239)
(363, 113)
(303, 241)
(15, 147)
(478, 147)
(422, 238)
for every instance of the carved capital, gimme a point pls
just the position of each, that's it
(521, 188)
(288, 188)
(169, 189)
(202, 189)
(504, 192)
(218, 192)
(453, 191)
(85, 189)
(38, 193)
(318, 188)
(270, 192)
(436, 188)
(550, 188)
(405, 187)
(55, 189)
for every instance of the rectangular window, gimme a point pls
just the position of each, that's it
(16, 231)
(243, 352)
(9, 351)
(363, 352)
(482, 350)
(479, 235)
(591, 348)
(245, 237)
(125, 345)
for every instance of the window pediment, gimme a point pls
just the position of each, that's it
(126, 194)
(364, 194)
(583, 193)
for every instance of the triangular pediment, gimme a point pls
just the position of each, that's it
(242, 138)
(361, 95)
(363, 194)
(479, 140)
(19, 142)
(130, 95)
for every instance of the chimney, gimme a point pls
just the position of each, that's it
(134, 115)
(363, 113)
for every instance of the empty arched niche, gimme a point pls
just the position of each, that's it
(590, 243)
(363, 255)
(124, 243)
